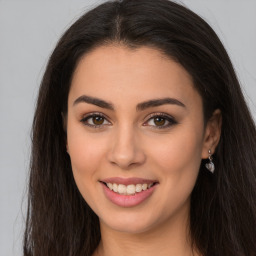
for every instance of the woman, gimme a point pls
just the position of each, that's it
(142, 140)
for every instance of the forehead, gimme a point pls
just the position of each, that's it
(117, 72)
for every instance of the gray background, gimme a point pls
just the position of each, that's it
(29, 29)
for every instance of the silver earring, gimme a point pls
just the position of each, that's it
(210, 166)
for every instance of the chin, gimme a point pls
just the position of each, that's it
(131, 222)
(130, 227)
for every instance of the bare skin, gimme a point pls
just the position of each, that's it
(119, 138)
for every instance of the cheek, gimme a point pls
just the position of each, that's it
(180, 149)
(86, 153)
(178, 159)
(83, 147)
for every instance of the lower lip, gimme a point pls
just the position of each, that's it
(128, 200)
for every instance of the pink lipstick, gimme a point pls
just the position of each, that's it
(128, 192)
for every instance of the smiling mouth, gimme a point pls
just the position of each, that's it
(130, 189)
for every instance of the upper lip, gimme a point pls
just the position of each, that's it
(128, 181)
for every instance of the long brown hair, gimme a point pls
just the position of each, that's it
(223, 205)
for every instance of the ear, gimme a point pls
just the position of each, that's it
(212, 133)
(64, 124)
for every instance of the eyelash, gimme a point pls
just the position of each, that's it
(165, 117)
(85, 119)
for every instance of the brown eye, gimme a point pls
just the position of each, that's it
(98, 120)
(95, 120)
(159, 121)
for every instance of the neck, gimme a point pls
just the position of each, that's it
(169, 238)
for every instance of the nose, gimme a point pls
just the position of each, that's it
(126, 150)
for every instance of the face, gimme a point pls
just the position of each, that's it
(135, 136)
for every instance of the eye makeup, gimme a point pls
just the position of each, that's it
(157, 120)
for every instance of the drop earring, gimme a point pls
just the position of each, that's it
(210, 166)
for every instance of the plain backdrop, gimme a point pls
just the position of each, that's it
(29, 30)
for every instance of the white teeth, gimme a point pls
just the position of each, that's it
(115, 187)
(144, 186)
(138, 188)
(110, 186)
(129, 189)
(121, 189)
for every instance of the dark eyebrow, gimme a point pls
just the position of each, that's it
(94, 101)
(141, 106)
(158, 102)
